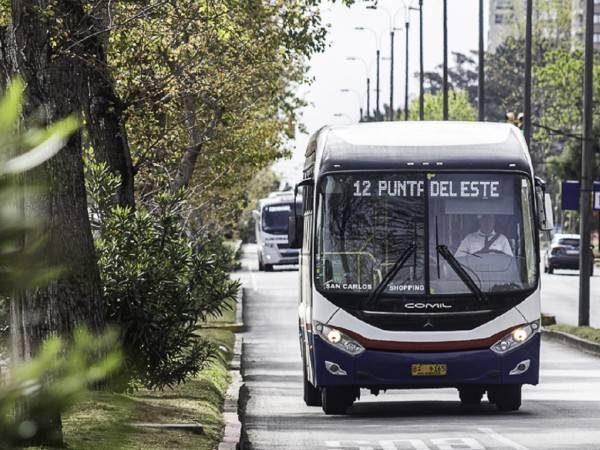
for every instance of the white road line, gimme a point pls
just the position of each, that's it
(502, 439)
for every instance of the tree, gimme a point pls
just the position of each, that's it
(35, 49)
(461, 76)
(459, 107)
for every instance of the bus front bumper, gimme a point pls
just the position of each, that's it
(377, 369)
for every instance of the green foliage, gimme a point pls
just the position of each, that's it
(462, 76)
(157, 289)
(71, 369)
(561, 81)
(62, 371)
(459, 107)
(587, 333)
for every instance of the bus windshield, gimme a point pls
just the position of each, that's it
(423, 234)
(275, 217)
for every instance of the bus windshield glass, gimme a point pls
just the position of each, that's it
(275, 217)
(423, 234)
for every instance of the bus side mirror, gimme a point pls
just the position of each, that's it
(295, 231)
(544, 206)
(546, 218)
(256, 215)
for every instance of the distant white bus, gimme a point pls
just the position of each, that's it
(271, 226)
(404, 284)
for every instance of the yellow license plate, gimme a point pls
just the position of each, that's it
(429, 370)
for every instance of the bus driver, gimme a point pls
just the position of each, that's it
(484, 239)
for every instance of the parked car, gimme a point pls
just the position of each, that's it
(563, 253)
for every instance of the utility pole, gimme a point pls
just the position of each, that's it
(481, 72)
(407, 25)
(421, 73)
(527, 89)
(445, 70)
(587, 171)
(377, 90)
(391, 114)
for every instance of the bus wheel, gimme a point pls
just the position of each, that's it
(260, 265)
(268, 267)
(337, 400)
(470, 395)
(312, 396)
(506, 397)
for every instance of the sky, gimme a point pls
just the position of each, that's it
(332, 71)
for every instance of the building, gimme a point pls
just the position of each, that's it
(507, 18)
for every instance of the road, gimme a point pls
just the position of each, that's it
(560, 297)
(562, 412)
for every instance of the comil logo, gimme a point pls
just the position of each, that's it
(439, 305)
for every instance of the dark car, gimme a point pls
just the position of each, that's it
(563, 253)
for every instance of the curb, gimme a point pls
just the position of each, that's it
(233, 427)
(232, 433)
(572, 341)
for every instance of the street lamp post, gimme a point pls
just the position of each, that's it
(354, 58)
(480, 69)
(445, 71)
(377, 53)
(406, 27)
(392, 30)
(421, 72)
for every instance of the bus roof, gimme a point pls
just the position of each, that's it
(416, 145)
(277, 199)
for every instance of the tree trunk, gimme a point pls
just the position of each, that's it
(104, 110)
(46, 57)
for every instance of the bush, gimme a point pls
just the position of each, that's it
(157, 289)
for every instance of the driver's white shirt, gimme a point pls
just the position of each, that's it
(475, 242)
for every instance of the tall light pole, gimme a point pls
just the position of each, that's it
(445, 70)
(377, 53)
(354, 58)
(587, 170)
(528, 57)
(406, 27)
(360, 109)
(392, 30)
(421, 71)
(481, 72)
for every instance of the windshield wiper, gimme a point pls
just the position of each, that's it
(462, 274)
(389, 276)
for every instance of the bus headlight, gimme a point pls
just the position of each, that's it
(516, 337)
(339, 340)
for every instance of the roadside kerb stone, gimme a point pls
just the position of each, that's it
(572, 341)
(233, 426)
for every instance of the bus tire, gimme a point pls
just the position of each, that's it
(312, 395)
(337, 400)
(260, 265)
(471, 395)
(268, 267)
(506, 397)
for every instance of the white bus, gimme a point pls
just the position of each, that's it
(403, 282)
(271, 227)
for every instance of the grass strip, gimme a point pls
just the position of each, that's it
(105, 420)
(587, 333)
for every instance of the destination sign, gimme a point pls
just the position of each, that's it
(437, 188)
(278, 208)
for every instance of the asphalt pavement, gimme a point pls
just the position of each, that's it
(234, 428)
